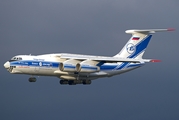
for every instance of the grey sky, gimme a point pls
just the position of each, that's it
(89, 27)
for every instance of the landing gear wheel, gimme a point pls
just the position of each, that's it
(32, 79)
(71, 82)
(86, 82)
(74, 82)
(63, 82)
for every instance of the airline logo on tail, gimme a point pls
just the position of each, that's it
(131, 48)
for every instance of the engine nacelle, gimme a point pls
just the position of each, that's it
(68, 65)
(87, 68)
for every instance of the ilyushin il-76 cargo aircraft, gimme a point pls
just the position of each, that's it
(75, 69)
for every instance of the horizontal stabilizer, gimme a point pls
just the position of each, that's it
(147, 31)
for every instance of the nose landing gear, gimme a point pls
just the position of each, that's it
(32, 79)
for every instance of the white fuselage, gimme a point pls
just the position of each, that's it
(75, 69)
(48, 65)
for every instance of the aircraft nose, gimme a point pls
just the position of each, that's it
(7, 65)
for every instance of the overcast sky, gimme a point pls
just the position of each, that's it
(94, 27)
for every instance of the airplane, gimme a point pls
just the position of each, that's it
(75, 69)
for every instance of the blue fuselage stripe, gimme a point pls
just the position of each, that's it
(56, 65)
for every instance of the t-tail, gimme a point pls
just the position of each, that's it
(138, 43)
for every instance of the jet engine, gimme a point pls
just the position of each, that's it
(87, 68)
(68, 65)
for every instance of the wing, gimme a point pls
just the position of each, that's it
(104, 59)
(89, 64)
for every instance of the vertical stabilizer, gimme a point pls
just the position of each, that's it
(138, 43)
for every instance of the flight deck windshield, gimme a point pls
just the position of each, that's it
(15, 59)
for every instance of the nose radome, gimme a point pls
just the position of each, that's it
(7, 65)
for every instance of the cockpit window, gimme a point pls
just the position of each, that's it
(16, 59)
(13, 58)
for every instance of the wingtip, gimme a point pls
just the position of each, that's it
(154, 60)
(171, 29)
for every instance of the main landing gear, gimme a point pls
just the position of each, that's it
(67, 82)
(74, 82)
(32, 79)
